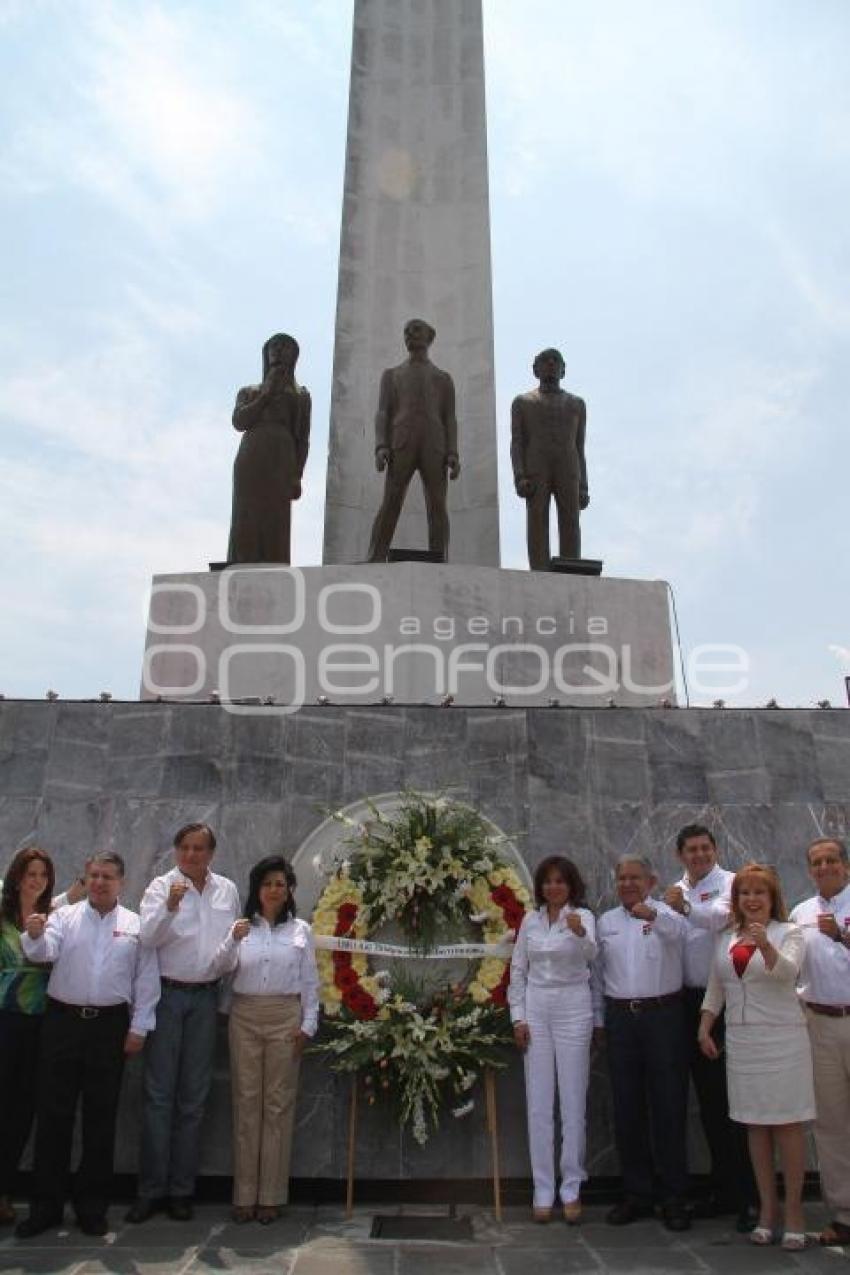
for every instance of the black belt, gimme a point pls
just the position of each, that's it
(639, 1003)
(187, 987)
(87, 1011)
(830, 1011)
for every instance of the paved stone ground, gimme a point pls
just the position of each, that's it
(321, 1241)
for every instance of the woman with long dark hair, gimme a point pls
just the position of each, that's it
(27, 888)
(549, 996)
(274, 1013)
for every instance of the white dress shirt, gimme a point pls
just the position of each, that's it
(709, 901)
(275, 960)
(187, 939)
(98, 960)
(825, 977)
(637, 958)
(548, 956)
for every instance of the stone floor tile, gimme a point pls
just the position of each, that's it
(265, 1261)
(447, 1259)
(646, 1260)
(346, 1259)
(522, 1261)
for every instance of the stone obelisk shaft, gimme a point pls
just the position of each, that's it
(415, 244)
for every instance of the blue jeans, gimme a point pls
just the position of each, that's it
(178, 1073)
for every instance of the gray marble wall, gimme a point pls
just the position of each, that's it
(592, 783)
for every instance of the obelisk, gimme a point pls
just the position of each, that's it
(415, 243)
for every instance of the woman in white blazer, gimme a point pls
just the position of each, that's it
(552, 1015)
(768, 1058)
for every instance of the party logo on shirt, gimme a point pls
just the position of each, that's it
(647, 929)
(124, 934)
(708, 895)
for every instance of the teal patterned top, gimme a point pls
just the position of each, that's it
(23, 987)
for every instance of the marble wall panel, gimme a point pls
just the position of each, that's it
(593, 783)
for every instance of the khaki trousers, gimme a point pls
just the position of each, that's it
(830, 1039)
(264, 1080)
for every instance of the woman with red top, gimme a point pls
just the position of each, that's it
(768, 1057)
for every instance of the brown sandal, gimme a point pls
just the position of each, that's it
(7, 1211)
(834, 1234)
(243, 1213)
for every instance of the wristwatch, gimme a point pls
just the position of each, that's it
(686, 908)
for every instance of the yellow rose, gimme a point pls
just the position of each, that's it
(478, 993)
(491, 971)
(324, 921)
(330, 992)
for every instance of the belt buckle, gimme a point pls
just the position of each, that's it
(634, 1006)
(89, 1011)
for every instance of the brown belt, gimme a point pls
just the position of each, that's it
(831, 1011)
(644, 1002)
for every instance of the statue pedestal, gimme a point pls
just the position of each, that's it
(412, 632)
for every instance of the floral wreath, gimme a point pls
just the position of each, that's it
(433, 863)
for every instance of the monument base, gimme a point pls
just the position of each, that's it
(408, 632)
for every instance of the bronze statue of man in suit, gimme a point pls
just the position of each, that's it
(547, 454)
(415, 429)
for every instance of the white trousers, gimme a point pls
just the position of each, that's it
(560, 1021)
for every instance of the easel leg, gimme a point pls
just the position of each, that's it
(493, 1130)
(352, 1132)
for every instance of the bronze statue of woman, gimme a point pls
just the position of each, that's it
(274, 420)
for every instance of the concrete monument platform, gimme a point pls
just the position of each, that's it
(416, 632)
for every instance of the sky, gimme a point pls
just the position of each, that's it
(669, 185)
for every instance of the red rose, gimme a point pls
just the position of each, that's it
(341, 958)
(502, 895)
(513, 916)
(368, 1008)
(345, 917)
(345, 976)
(497, 996)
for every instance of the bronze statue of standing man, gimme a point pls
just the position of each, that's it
(415, 429)
(547, 453)
(274, 420)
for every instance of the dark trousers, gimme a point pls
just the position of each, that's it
(649, 1086)
(20, 1035)
(731, 1172)
(81, 1059)
(178, 1073)
(403, 464)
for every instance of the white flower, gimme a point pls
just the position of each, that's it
(464, 1109)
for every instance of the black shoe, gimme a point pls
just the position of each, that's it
(93, 1225)
(704, 1206)
(180, 1208)
(746, 1219)
(675, 1216)
(37, 1222)
(140, 1210)
(628, 1210)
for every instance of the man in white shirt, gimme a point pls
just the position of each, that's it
(702, 896)
(825, 989)
(637, 982)
(101, 998)
(186, 914)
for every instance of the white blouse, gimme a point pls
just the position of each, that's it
(549, 956)
(275, 960)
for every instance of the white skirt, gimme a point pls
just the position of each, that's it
(769, 1074)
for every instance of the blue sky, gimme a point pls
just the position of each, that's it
(670, 185)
